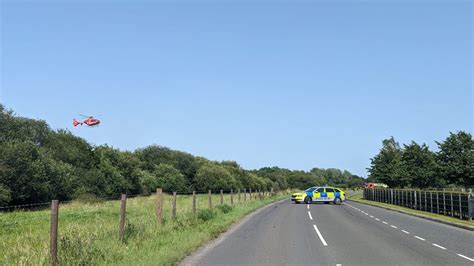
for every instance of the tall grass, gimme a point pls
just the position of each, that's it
(88, 232)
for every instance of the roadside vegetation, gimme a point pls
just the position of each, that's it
(38, 164)
(359, 198)
(88, 232)
(416, 166)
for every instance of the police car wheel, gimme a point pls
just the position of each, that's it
(337, 201)
(297, 202)
(307, 200)
(327, 202)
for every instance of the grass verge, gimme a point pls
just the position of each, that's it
(422, 214)
(88, 233)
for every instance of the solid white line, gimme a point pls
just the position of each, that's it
(438, 246)
(393, 226)
(422, 239)
(384, 222)
(406, 232)
(307, 206)
(320, 236)
(467, 258)
(310, 217)
(377, 219)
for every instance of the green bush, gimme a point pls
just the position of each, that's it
(224, 208)
(206, 214)
(76, 248)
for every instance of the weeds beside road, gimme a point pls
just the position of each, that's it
(88, 233)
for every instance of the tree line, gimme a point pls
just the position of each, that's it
(38, 164)
(416, 166)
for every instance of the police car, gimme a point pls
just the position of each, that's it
(320, 194)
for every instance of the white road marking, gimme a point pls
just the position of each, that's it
(377, 219)
(384, 222)
(393, 226)
(307, 206)
(371, 216)
(438, 246)
(320, 236)
(420, 238)
(338, 264)
(310, 217)
(467, 258)
(406, 232)
(366, 213)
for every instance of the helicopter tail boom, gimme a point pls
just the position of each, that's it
(75, 122)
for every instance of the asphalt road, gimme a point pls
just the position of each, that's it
(349, 234)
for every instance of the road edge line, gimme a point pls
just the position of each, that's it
(194, 257)
(466, 227)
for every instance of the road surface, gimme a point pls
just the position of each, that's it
(349, 234)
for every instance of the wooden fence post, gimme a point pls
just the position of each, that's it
(437, 201)
(159, 204)
(452, 207)
(426, 202)
(239, 195)
(414, 198)
(53, 248)
(250, 194)
(431, 201)
(444, 203)
(123, 205)
(194, 202)
(245, 194)
(173, 210)
(222, 197)
(210, 199)
(232, 197)
(271, 192)
(460, 206)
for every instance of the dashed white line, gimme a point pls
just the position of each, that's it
(320, 236)
(393, 226)
(462, 256)
(338, 264)
(438, 246)
(420, 238)
(307, 206)
(310, 217)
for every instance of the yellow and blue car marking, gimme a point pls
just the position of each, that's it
(320, 194)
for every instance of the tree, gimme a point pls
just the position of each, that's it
(386, 165)
(419, 166)
(5, 195)
(170, 179)
(456, 159)
(214, 177)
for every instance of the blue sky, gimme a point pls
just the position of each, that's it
(297, 85)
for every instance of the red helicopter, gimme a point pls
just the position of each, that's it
(89, 121)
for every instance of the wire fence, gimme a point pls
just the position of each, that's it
(189, 204)
(444, 202)
(46, 204)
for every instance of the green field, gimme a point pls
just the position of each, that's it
(88, 233)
